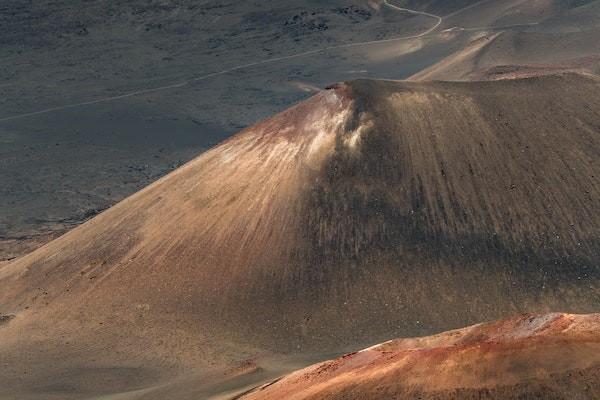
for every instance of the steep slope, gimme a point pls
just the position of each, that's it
(373, 210)
(528, 357)
(61, 166)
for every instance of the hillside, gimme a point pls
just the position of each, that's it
(97, 102)
(373, 210)
(527, 357)
(60, 167)
(533, 37)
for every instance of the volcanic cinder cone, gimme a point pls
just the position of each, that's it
(373, 210)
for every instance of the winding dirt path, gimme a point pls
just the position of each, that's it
(240, 67)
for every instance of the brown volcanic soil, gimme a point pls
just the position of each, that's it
(62, 167)
(553, 356)
(377, 209)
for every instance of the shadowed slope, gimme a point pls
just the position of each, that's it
(373, 210)
(545, 356)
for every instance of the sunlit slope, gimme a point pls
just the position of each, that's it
(527, 357)
(375, 209)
